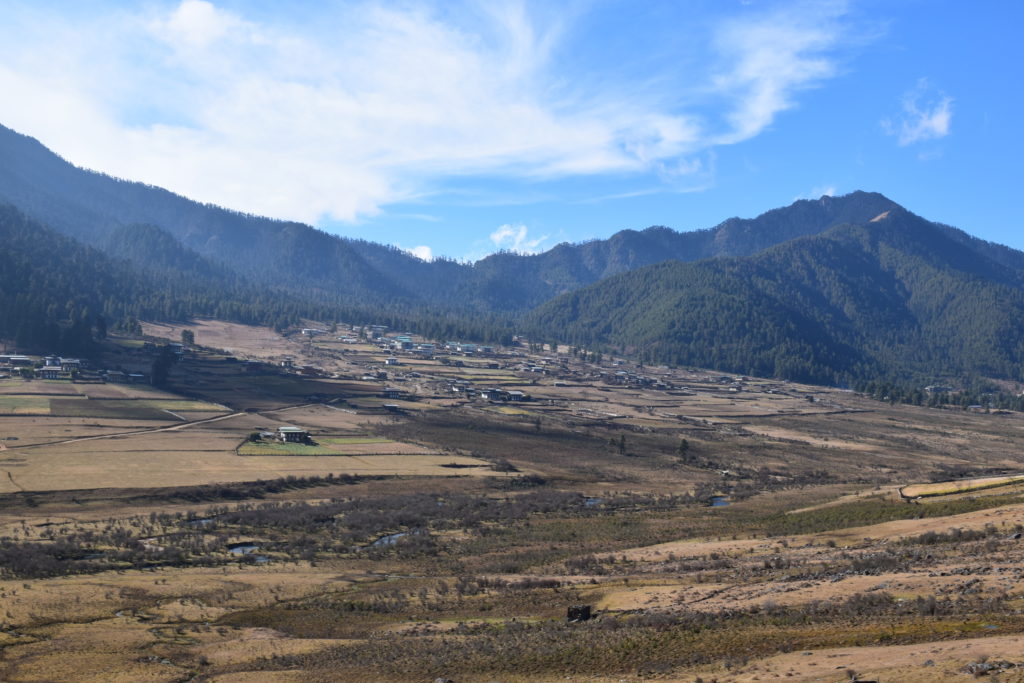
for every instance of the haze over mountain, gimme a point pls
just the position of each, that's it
(830, 290)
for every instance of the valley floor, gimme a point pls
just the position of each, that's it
(718, 528)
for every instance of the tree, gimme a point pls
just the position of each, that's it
(622, 444)
(161, 367)
(188, 337)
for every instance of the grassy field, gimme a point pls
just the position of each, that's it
(353, 440)
(278, 448)
(353, 445)
(947, 488)
(451, 538)
(24, 405)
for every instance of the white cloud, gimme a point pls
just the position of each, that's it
(424, 253)
(514, 237)
(772, 57)
(925, 116)
(335, 112)
(197, 23)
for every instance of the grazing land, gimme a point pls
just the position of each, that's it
(434, 525)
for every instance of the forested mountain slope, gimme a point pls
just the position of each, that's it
(570, 266)
(898, 296)
(56, 291)
(829, 290)
(95, 209)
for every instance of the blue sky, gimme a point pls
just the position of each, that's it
(458, 128)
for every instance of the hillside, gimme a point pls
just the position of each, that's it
(834, 290)
(898, 296)
(95, 208)
(54, 290)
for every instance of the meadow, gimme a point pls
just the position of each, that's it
(715, 535)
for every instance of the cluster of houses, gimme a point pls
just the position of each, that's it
(501, 395)
(404, 342)
(62, 368)
(632, 379)
(289, 364)
(493, 394)
(53, 367)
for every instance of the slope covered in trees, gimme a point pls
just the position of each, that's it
(56, 293)
(835, 290)
(95, 209)
(896, 297)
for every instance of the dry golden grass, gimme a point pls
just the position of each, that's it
(946, 488)
(904, 663)
(164, 613)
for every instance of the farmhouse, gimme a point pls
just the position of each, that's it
(494, 394)
(391, 392)
(391, 361)
(292, 435)
(51, 372)
(70, 364)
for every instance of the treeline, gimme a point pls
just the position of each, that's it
(985, 395)
(58, 295)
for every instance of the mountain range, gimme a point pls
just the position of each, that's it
(831, 290)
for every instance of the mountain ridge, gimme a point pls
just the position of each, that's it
(831, 290)
(89, 206)
(899, 296)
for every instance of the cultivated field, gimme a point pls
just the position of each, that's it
(719, 527)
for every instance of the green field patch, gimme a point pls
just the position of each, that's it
(25, 405)
(280, 448)
(353, 439)
(129, 343)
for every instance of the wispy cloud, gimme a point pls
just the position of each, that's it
(334, 112)
(771, 57)
(515, 238)
(927, 115)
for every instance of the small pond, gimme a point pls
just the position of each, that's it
(243, 548)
